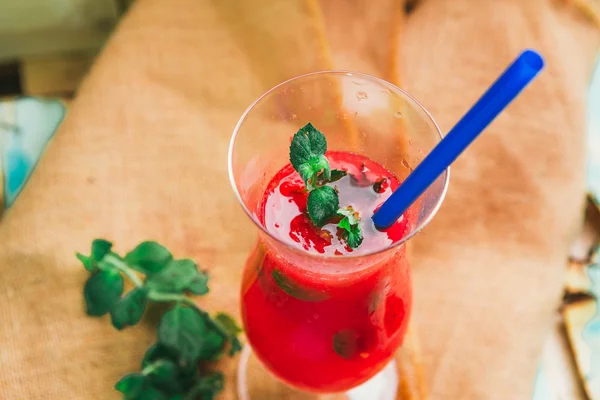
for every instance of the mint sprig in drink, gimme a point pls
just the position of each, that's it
(326, 296)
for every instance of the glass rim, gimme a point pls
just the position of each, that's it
(390, 85)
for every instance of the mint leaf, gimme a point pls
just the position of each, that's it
(132, 385)
(337, 174)
(313, 172)
(295, 290)
(184, 331)
(322, 204)
(345, 343)
(150, 393)
(86, 261)
(155, 353)
(307, 155)
(228, 324)
(231, 328)
(308, 142)
(207, 386)
(137, 387)
(350, 225)
(212, 344)
(100, 248)
(186, 369)
(129, 310)
(102, 291)
(148, 257)
(179, 276)
(236, 345)
(158, 352)
(164, 375)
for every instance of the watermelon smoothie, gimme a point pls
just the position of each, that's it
(327, 328)
(326, 301)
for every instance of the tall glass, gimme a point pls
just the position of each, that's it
(322, 323)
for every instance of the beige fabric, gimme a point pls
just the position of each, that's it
(142, 155)
(363, 37)
(488, 270)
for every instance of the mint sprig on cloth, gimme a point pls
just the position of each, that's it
(187, 335)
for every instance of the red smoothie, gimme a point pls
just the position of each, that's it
(327, 330)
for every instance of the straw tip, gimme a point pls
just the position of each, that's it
(532, 59)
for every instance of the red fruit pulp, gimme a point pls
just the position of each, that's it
(327, 331)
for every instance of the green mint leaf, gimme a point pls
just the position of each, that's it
(307, 155)
(179, 276)
(129, 310)
(100, 248)
(308, 142)
(212, 344)
(148, 257)
(295, 290)
(207, 386)
(345, 343)
(87, 262)
(185, 331)
(157, 352)
(337, 174)
(322, 204)
(354, 238)
(102, 291)
(137, 387)
(350, 215)
(132, 385)
(228, 324)
(164, 375)
(312, 172)
(236, 346)
(150, 393)
(350, 224)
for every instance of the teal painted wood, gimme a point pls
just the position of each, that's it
(26, 126)
(591, 332)
(593, 138)
(543, 388)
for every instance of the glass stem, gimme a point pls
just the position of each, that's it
(383, 386)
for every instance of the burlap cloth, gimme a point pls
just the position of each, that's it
(142, 154)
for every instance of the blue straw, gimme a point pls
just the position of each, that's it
(499, 95)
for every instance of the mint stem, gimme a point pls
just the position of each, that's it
(124, 268)
(170, 368)
(158, 296)
(152, 367)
